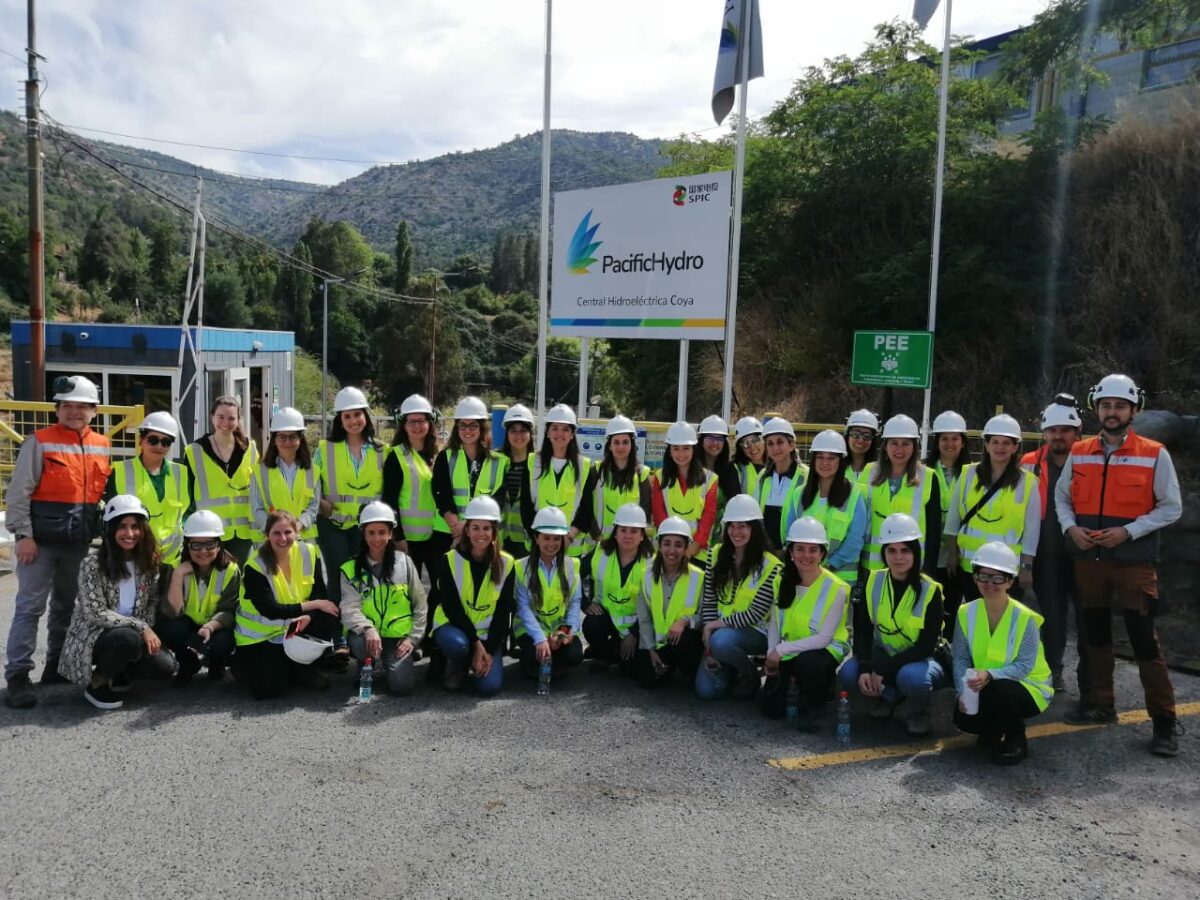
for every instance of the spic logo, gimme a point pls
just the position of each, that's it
(579, 253)
(679, 198)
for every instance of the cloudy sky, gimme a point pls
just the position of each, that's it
(396, 80)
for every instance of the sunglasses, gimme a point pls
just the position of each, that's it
(985, 578)
(856, 435)
(156, 441)
(751, 439)
(203, 546)
(468, 425)
(287, 436)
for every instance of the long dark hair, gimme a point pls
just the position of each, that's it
(872, 451)
(739, 452)
(546, 453)
(722, 457)
(657, 568)
(535, 582)
(670, 472)
(506, 448)
(620, 479)
(239, 436)
(914, 576)
(265, 551)
(644, 550)
(454, 442)
(430, 448)
(303, 455)
(337, 431)
(222, 562)
(724, 570)
(839, 491)
(883, 471)
(111, 558)
(362, 561)
(493, 559)
(933, 457)
(789, 579)
(1010, 478)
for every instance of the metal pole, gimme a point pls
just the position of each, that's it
(938, 183)
(739, 166)
(681, 394)
(37, 246)
(433, 353)
(201, 394)
(324, 350)
(544, 242)
(585, 349)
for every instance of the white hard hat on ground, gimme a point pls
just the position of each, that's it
(470, 408)
(779, 426)
(561, 414)
(948, 422)
(302, 649)
(714, 425)
(76, 389)
(681, 434)
(350, 398)
(828, 442)
(901, 426)
(162, 422)
(203, 523)
(899, 528)
(125, 505)
(807, 530)
(483, 508)
(517, 413)
(414, 404)
(287, 419)
(997, 555)
(619, 425)
(631, 516)
(747, 425)
(676, 526)
(1002, 425)
(376, 511)
(550, 520)
(742, 508)
(863, 418)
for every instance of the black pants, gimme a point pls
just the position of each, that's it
(121, 651)
(561, 658)
(604, 643)
(1054, 585)
(267, 669)
(424, 555)
(178, 636)
(1004, 705)
(813, 671)
(683, 657)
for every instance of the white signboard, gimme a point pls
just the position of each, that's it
(642, 260)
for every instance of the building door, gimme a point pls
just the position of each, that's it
(261, 404)
(233, 382)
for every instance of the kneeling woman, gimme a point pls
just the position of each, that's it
(475, 601)
(202, 598)
(998, 656)
(383, 602)
(112, 626)
(894, 657)
(668, 609)
(549, 599)
(807, 638)
(739, 591)
(611, 624)
(283, 592)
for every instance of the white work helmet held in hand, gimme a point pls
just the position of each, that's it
(350, 398)
(561, 414)
(997, 555)
(619, 425)
(863, 418)
(287, 419)
(948, 422)
(899, 528)
(302, 649)
(807, 530)
(550, 520)
(779, 426)
(828, 442)
(203, 523)
(681, 434)
(1002, 425)
(517, 413)
(162, 422)
(742, 508)
(376, 511)
(676, 526)
(901, 426)
(747, 425)
(470, 408)
(415, 404)
(1059, 414)
(125, 505)
(75, 389)
(485, 509)
(631, 516)
(1115, 387)
(714, 425)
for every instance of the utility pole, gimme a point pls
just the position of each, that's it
(37, 245)
(433, 352)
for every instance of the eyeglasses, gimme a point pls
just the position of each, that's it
(751, 439)
(287, 436)
(154, 440)
(985, 578)
(860, 435)
(716, 438)
(468, 425)
(204, 546)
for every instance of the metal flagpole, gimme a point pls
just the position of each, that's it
(938, 183)
(544, 243)
(681, 402)
(585, 349)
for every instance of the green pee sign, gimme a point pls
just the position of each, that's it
(892, 358)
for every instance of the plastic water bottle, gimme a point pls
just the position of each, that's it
(792, 710)
(544, 671)
(843, 718)
(366, 681)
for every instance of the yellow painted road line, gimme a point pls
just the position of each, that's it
(892, 751)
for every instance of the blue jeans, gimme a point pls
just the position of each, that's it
(915, 681)
(457, 650)
(733, 648)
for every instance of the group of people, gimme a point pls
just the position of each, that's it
(737, 565)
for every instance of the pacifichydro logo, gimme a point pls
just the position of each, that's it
(579, 253)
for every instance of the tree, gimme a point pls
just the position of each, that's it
(530, 272)
(404, 253)
(294, 294)
(104, 250)
(225, 299)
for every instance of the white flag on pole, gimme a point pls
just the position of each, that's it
(729, 56)
(923, 11)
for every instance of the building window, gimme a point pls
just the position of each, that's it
(1171, 65)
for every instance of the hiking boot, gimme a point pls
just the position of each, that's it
(50, 674)
(189, 665)
(1088, 714)
(881, 709)
(919, 723)
(103, 697)
(1166, 736)
(20, 692)
(1011, 751)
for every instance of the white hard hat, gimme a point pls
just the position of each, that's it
(561, 414)
(1117, 387)
(828, 442)
(619, 425)
(779, 426)
(676, 526)
(715, 425)
(742, 508)
(1060, 414)
(376, 511)
(550, 520)
(484, 509)
(470, 408)
(948, 422)
(414, 404)
(631, 516)
(75, 389)
(681, 434)
(807, 530)
(126, 505)
(350, 398)
(162, 422)
(747, 425)
(863, 418)
(203, 523)
(1002, 425)
(997, 555)
(901, 426)
(517, 413)
(302, 649)
(899, 528)
(287, 419)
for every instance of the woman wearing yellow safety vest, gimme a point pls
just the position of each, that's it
(739, 591)
(202, 597)
(286, 478)
(475, 590)
(1000, 668)
(901, 484)
(408, 486)
(467, 467)
(610, 625)
(862, 440)
(549, 592)
(283, 594)
(111, 638)
(668, 609)
(947, 455)
(383, 602)
(517, 446)
(780, 480)
(221, 466)
(749, 454)
(620, 478)
(895, 648)
(685, 489)
(159, 483)
(562, 477)
(807, 637)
